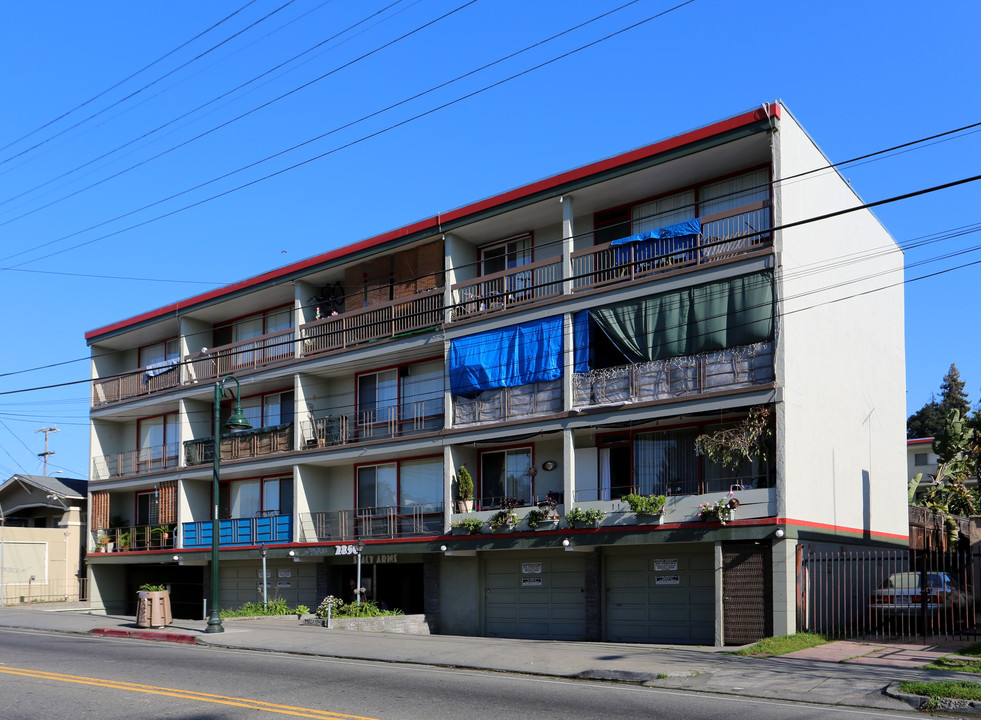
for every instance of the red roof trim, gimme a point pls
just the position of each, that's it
(919, 441)
(434, 223)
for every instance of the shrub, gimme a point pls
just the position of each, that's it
(646, 504)
(578, 516)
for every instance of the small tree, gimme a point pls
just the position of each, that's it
(952, 394)
(464, 483)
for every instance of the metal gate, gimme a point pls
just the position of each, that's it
(747, 606)
(901, 594)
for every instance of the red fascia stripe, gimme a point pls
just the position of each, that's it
(919, 441)
(433, 223)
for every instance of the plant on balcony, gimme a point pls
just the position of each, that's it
(122, 539)
(646, 504)
(544, 515)
(102, 542)
(160, 532)
(505, 518)
(746, 440)
(577, 517)
(719, 511)
(148, 587)
(464, 489)
(471, 525)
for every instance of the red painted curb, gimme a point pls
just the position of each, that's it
(146, 635)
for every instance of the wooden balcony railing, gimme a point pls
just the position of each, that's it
(142, 381)
(136, 462)
(137, 538)
(381, 423)
(724, 235)
(387, 320)
(256, 530)
(508, 288)
(241, 357)
(376, 522)
(243, 444)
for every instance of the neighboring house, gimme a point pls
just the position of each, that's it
(569, 338)
(42, 539)
(920, 458)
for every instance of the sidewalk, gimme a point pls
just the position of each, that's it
(839, 673)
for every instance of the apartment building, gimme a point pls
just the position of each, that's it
(566, 342)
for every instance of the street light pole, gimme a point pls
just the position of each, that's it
(236, 421)
(357, 591)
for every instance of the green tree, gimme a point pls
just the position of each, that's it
(952, 394)
(926, 422)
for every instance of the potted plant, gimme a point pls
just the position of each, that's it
(505, 518)
(464, 490)
(577, 517)
(468, 526)
(649, 505)
(102, 542)
(720, 511)
(544, 517)
(153, 607)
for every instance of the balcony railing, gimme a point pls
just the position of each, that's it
(267, 529)
(241, 357)
(737, 367)
(142, 381)
(675, 486)
(378, 322)
(402, 420)
(136, 538)
(508, 288)
(375, 522)
(498, 405)
(136, 462)
(242, 444)
(724, 235)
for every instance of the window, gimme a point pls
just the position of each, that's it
(506, 254)
(253, 326)
(504, 474)
(160, 352)
(662, 212)
(263, 496)
(158, 440)
(401, 400)
(405, 483)
(734, 192)
(147, 508)
(268, 410)
(920, 459)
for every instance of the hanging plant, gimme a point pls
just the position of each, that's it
(747, 440)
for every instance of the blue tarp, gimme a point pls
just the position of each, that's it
(682, 229)
(580, 341)
(512, 356)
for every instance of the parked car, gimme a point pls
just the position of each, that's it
(900, 598)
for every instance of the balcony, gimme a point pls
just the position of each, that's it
(376, 522)
(509, 403)
(240, 357)
(153, 378)
(242, 444)
(507, 289)
(738, 367)
(138, 538)
(136, 462)
(378, 322)
(384, 423)
(724, 236)
(246, 531)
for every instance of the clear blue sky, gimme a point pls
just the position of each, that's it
(860, 76)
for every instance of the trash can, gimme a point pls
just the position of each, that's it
(153, 609)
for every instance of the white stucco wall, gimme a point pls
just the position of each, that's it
(841, 424)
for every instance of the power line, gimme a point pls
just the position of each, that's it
(157, 80)
(319, 156)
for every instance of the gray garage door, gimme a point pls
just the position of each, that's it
(535, 595)
(663, 596)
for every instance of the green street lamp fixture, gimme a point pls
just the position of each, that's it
(237, 421)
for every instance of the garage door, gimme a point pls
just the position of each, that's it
(668, 597)
(535, 596)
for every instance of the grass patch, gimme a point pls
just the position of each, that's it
(783, 644)
(276, 606)
(971, 650)
(959, 689)
(956, 664)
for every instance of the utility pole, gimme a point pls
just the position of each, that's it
(46, 431)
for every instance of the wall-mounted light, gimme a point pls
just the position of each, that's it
(779, 533)
(565, 542)
(177, 558)
(442, 548)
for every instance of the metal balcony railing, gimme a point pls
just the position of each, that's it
(136, 462)
(374, 522)
(508, 288)
(241, 357)
(136, 383)
(382, 423)
(242, 444)
(136, 538)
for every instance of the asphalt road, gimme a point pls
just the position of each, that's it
(47, 675)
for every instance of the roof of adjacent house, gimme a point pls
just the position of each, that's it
(919, 441)
(68, 488)
(434, 224)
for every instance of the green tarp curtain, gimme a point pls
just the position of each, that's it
(713, 316)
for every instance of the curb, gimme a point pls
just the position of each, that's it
(923, 702)
(145, 635)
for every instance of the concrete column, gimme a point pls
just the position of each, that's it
(719, 625)
(784, 570)
(568, 355)
(568, 467)
(449, 273)
(448, 473)
(568, 235)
